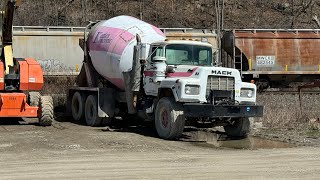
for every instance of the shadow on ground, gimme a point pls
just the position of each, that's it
(18, 121)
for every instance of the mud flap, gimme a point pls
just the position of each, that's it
(106, 105)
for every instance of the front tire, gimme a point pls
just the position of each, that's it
(169, 118)
(239, 128)
(91, 111)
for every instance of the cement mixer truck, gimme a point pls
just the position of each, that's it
(130, 68)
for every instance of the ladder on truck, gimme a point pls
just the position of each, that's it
(237, 60)
(237, 56)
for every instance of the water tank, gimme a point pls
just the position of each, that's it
(111, 43)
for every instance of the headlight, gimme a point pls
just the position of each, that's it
(247, 93)
(192, 89)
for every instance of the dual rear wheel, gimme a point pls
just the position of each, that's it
(169, 116)
(85, 108)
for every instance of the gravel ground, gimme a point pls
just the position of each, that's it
(72, 151)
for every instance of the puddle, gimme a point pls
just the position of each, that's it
(208, 139)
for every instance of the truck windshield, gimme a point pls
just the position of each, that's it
(182, 54)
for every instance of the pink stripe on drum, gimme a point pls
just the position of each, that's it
(121, 42)
(158, 31)
(112, 40)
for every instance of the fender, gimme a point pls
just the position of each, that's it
(168, 92)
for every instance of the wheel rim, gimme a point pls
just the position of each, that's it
(164, 118)
(91, 113)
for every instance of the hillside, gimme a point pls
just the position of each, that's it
(173, 13)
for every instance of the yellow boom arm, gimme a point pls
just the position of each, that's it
(6, 32)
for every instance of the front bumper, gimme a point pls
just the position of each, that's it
(195, 110)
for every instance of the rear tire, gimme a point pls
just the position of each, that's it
(34, 99)
(91, 111)
(77, 106)
(240, 128)
(169, 119)
(46, 114)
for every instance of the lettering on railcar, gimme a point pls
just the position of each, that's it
(266, 61)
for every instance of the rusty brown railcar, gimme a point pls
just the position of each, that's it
(273, 58)
(203, 35)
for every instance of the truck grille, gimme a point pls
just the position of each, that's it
(220, 83)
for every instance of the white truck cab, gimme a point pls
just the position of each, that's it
(181, 75)
(193, 76)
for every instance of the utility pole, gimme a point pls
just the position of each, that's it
(141, 9)
(292, 15)
(84, 10)
(291, 7)
(222, 16)
(219, 7)
(172, 7)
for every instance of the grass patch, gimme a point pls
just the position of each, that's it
(313, 133)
